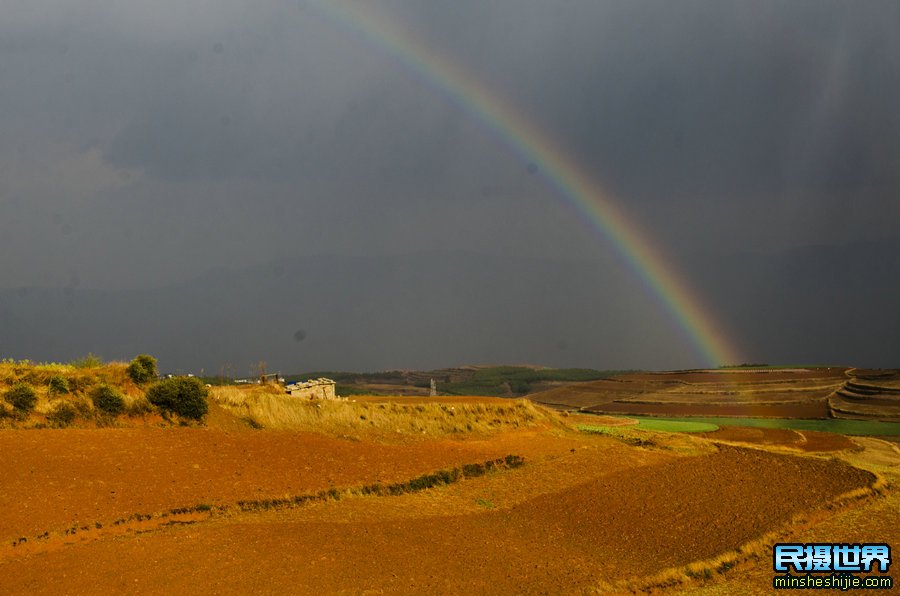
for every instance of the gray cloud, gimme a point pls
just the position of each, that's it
(141, 145)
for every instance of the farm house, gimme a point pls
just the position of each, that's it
(320, 388)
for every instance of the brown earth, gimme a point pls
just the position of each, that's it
(805, 440)
(779, 393)
(874, 522)
(756, 436)
(760, 410)
(584, 509)
(821, 441)
(53, 479)
(740, 375)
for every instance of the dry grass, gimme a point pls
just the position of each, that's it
(269, 407)
(39, 375)
(80, 380)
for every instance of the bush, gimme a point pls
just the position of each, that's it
(108, 400)
(62, 415)
(142, 369)
(139, 407)
(89, 361)
(57, 385)
(21, 397)
(185, 396)
(81, 382)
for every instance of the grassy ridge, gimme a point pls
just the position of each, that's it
(268, 407)
(86, 390)
(671, 426)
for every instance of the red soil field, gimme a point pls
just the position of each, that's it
(632, 512)
(819, 441)
(727, 376)
(758, 410)
(52, 479)
(810, 441)
(778, 393)
(875, 522)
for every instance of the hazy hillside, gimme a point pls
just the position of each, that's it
(429, 310)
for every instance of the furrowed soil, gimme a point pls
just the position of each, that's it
(583, 509)
(810, 393)
(808, 410)
(873, 522)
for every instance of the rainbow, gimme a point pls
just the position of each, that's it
(523, 137)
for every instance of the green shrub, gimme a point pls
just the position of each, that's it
(57, 385)
(21, 397)
(108, 400)
(142, 369)
(185, 396)
(62, 415)
(139, 407)
(81, 382)
(89, 361)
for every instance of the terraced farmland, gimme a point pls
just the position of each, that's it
(795, 393)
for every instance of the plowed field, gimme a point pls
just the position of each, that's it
(584, 509)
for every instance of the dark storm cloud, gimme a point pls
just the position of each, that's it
(661, 100)
(672, 99)
(142, 144)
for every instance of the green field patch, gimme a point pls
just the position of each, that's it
(676, 426)
(652, 424)
(837, 426)
(625, 434)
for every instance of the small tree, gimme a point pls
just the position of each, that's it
(21, 397)
(142, 369)
(185, 396)
(108, 400)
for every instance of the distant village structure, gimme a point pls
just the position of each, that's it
(320, 388)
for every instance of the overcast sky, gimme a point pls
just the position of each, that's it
(145, 143)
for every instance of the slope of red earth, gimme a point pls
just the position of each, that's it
(53, 479)
(583, 509)
(874, 522)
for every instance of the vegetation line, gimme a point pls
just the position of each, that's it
(147, 522)
(420, 483)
